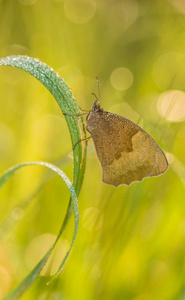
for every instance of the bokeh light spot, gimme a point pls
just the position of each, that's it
(80, 11)
(171, 105)
(120, 15)
(17, 213)
(179, 5)
(170, 157)
(121, 79)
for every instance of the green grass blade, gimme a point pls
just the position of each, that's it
(62, 94)
(25, 284)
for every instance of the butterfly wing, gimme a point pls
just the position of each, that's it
(126, 152)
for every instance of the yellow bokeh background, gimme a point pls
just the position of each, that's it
(131, 240)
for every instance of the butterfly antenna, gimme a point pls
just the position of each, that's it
(97, 99)
(98, 89)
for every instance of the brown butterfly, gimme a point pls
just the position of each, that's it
(126, 152)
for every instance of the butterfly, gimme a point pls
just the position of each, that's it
(126, 152)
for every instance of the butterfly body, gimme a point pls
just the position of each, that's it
(126, 152)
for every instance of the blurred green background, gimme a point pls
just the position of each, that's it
(131, 240)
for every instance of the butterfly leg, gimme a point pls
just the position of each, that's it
(87, 138)
(77, 115)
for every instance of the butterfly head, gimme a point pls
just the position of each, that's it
(95, 106)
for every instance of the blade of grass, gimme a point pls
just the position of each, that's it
(25, 284)
(62, 94)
